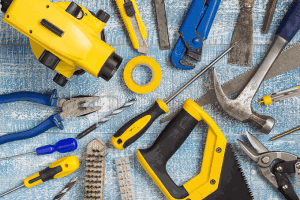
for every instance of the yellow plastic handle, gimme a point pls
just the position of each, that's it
(128, 25)
(60, 168)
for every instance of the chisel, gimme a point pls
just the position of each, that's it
(137, 126)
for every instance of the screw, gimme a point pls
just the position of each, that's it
(279, 169)
(285, 187)
(265, 159)
(212, 181)
(298, 165)
(218, 150)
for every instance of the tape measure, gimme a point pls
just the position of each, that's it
(142, 61)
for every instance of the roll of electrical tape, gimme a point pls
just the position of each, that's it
(142, 61)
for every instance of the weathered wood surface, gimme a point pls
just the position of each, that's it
(20, 71)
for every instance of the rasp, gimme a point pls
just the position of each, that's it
(269, 15)
(162, 24)
(288, 60)
(241, 55)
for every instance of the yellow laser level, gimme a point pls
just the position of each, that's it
(64, 36)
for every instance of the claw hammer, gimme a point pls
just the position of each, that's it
(240, 107)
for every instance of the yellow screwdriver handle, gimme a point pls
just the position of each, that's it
(136, 127)
(60, 168)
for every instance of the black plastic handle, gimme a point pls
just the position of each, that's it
(136, 127)
(164, 147)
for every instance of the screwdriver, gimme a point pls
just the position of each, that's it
(62, 146)
(269, 99)
(58, 169)
(137, 126)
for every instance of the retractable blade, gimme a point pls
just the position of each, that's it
(135, 27)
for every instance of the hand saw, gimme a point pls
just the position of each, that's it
(220, 176)
(288, 60)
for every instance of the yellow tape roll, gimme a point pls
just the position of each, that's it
(152, 84)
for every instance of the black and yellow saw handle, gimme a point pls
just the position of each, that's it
(136, 127)
(155, 158)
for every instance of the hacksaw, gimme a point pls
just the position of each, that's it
(288, 60)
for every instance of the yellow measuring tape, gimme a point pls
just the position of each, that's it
(142, 61)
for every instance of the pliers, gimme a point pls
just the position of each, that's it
(68, 108)
(277, 174)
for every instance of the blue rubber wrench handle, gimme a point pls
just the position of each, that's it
(290, 23)
(46, 99)
(52, 121)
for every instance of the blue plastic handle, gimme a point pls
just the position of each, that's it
(46, 99)
(290, 24)
(62, 146)
(52, 121)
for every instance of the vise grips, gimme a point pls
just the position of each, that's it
(193, 31)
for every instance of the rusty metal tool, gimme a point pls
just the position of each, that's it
(269, 15)
(243, 36)
(240, 108)
(288, 60)
(162, 24)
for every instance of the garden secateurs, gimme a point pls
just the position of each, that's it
(275, 173)
(68, 108)
(220, 177)
(193, 31)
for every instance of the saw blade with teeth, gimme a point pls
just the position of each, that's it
(95, 170)
(288, 60)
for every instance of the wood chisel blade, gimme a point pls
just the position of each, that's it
(269, 15)
(162, 25)
(241, 55)
(288, 60)
(143, 47)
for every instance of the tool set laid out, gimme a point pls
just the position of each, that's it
(68, 38)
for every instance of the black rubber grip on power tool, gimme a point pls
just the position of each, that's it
(155, 111)
(164, 147)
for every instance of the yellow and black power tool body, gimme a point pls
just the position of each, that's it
(64, 36)
(220, 176)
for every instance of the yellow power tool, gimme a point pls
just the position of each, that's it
(64, 36)
(220, 176)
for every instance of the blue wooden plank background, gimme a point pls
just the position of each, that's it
(20, 71)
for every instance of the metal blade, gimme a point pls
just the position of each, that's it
(259, 147)
(143, 47)
(269, 15)
(243, 36)
(250, 153)
(162, 25)
(233, 184)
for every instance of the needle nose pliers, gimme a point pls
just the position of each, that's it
(68, 108)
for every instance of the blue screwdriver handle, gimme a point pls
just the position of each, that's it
(46, 99)
(290, 24)
(62, 146)
(52, 121)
